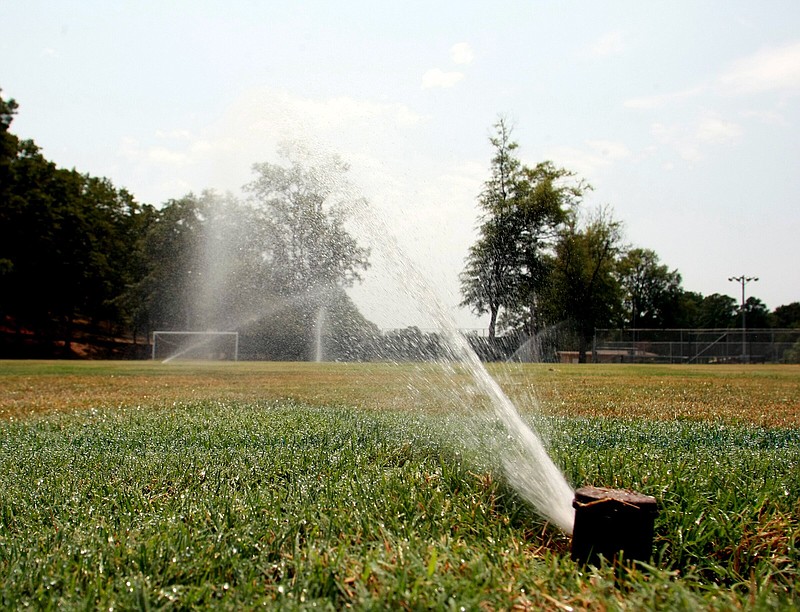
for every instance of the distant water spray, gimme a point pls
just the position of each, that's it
(319, 335)
(527, 465)
(525, 460)
(180, 352)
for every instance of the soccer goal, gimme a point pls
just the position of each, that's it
(207, 345)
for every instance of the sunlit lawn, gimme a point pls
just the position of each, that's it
(758, 394)
(136, 485)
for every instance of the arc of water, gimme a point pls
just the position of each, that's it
(529, 468)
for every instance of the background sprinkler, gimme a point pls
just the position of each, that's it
(612, 521)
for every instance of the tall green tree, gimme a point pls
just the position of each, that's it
(28, 229)
(489, 276)
(583, 286)
(756, 314)
(67, 239)
(9, 145)
(309, 249)
(545, 198)
(231, 260)
(488, 281)
(521, 211)
(688, 309)
(311, 255)
(651, 291)
(717, 311)
(786, 315)
(135, 301)
(171, 269)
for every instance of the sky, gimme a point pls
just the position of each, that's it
(684, 116)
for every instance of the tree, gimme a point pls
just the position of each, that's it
(66, 239)
(787, 316)
(651, 292)
(583, 286)
(75, 248)
(544, 198)
(522, 209)
(756, 313)
(9, 145)
(111, 236)
(8, 151)
(689, 305)
(487, 280)
(169, 246)
(134, 301)
(311, 255)
(232, 277)
(310, 248)
(717, 311)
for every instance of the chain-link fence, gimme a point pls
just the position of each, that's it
(696, 346)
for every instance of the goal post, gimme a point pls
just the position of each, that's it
(196, 345)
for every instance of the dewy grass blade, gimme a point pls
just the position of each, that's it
(209, 502)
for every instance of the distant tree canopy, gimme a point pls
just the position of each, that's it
(786, 316)
(65, 245)
(523, 210)
(540, 261)
(75, 248)
(583, 286)
(309, 247)
(651, 292)
(78, 253)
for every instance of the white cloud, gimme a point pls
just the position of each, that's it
(690, 142)
(777, 68)
(609, 150)
(715, 130)
(436, 77)
(174, 134)
(365, 133)
(461, 53)
(610, 43)
(587, 160)
(674, 137)
(343, 111)
(164, 156)
(159, 155)
(774, 69)
(765, 117)
(665, 99)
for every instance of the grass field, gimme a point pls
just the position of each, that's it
(142, 485)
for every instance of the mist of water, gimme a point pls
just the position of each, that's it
(528, 467)
(521, 451)
(319, 335)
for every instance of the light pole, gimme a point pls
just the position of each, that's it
(743, 280)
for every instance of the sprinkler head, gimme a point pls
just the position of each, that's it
(610, 523)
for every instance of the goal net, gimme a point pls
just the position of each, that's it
(193, 345)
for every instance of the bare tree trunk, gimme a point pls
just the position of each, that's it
(582, 346)
(493, 322)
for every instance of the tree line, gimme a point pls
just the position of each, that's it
(80, 257)
(541, 259)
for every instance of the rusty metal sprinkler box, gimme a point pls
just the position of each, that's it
(612, 521)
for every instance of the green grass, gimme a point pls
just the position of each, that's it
(235, 504)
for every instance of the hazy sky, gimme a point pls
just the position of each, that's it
(683, 115)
